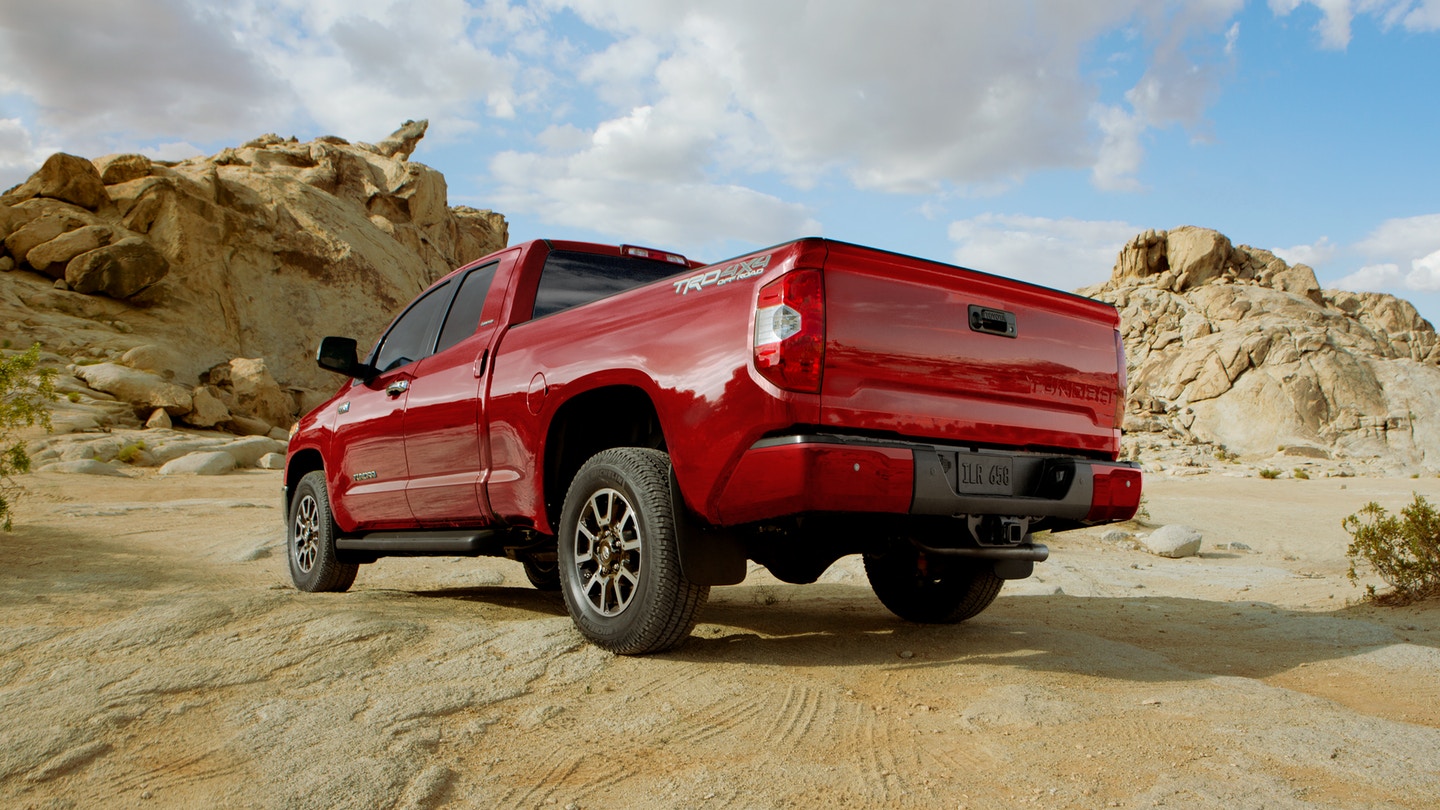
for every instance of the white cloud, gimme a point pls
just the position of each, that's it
(1315, 254)
(1337, 16)
(1373, 278)
(1061, 253)
(149, 67)
(103, 76)
(19, 156)
(907, 97)
(1394, 246)
(587, 190)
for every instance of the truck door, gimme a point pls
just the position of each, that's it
(445, 449)
(370, 421)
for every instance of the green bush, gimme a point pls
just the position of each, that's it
(1268, 473)
(1403, 550)
(25, 391)
(1299, 472)
(128, 453)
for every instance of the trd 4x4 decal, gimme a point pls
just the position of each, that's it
(723, 275)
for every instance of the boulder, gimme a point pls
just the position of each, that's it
(212, 462)
(37, 232)
(159, 419)
(271, 461)
(1173, 541)
(248, 451)
(120, 270)
(88, 466)
(122, 168)
(65, 177)
(402, 142)
(1196, 255)
(51, 257)
(142, 389)
(256, 393)
(207, 409)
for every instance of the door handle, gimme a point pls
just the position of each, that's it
(397, 388)
(479, 366)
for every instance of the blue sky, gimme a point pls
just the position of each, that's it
(1030, 139)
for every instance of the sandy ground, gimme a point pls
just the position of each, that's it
(152, 653)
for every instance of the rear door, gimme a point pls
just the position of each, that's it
(445, 450)
(927, 350)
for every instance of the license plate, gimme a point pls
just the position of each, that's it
(982, 475)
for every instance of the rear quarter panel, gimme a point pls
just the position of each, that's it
(687, 346)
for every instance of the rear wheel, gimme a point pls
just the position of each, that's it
(314, 564)
(619, 558)
(927, 590)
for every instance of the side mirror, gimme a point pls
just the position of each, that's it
(337, 354)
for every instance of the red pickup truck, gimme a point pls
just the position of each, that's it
(634, 427)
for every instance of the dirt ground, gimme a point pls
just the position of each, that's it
(153, 653)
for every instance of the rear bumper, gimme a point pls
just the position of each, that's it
(818, 473)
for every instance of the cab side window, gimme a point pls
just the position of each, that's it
(464, 314)
(412, 336)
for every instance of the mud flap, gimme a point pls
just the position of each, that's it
(708, 555)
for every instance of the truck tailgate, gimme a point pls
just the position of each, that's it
(939, 352)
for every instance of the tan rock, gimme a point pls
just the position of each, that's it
(142, 389)
(122, 168)
(159, 419)
(51, 257)
(207, 410)
(257, 393)
(1196, 255)
(37, 232)
(120, 270)
(65, 177)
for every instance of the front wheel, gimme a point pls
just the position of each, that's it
(619, 557)
(314, 564)
(920, 588)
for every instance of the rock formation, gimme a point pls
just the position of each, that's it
(1230, 346)
(196, 291)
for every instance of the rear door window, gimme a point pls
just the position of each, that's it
(412, 336)
(464, 314)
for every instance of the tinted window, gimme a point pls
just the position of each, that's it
(464, 314)
(571, 279)
(410, 338)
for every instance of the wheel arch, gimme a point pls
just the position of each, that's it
(598, 419)
(301, 463)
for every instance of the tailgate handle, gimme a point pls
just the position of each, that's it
(992, 321)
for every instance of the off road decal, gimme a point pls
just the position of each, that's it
(723, 275)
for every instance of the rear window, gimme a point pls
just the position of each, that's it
(570, 279)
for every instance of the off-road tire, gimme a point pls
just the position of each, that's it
(310, 540)
(619, 557)
(927, 590)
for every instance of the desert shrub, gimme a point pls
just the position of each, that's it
(1223, 453)
(25, 391)
(1299, 472)
(1403, 550)
(1268, 473)
(128, 452)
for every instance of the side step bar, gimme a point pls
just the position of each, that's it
(458, 542)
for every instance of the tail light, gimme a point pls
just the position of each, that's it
(1121, 372)
(790, 331)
